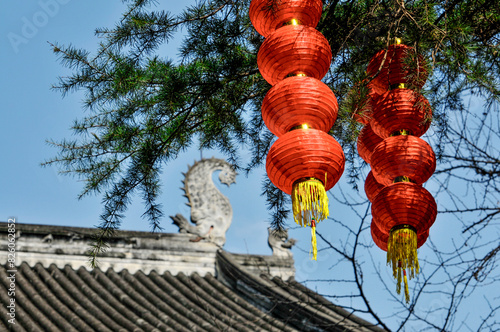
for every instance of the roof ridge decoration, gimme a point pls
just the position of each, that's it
(211, 211)
(279, 242)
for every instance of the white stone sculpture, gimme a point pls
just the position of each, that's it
(211, 212)
(280, 243)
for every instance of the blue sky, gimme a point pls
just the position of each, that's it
(32, 113)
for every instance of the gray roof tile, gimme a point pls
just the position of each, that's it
(69, 298)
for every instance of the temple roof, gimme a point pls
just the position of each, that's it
(156, 282)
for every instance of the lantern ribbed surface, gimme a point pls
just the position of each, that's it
(380, 238)
(402, 210)
(367, 141)
(372, 187)
(305, 153)
(266, 19)
(394, 69)
(294, 49)
(296, 101)
(404, 203)
(401, 109)
(403, 155)
(305, 161)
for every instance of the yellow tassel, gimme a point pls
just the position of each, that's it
(402, 255)
(310, 205)
(407, 292)
(313, 240)
(309, 201)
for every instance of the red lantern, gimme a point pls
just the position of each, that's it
(367, 141)
(297, 101)
(404, 203)
(396, 65)
(405, 211)
(302, 154)
(305, 163)
(403, 156)
(401, 109)
(302, 162)
(372, 187)
(292, 50)
(267, 16)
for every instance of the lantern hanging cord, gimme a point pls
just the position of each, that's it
(402, 255)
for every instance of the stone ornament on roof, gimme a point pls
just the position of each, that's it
(280, 243)
(211, 212)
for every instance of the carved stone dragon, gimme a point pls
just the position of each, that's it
(211, 211)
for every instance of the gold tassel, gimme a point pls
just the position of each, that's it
(402, 255)
(313, 240)
(310, 205)
(407, 292)
(309, 201)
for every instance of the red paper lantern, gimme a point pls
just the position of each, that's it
(380, 238)
(291, 50)
(397, 67)
(299, 101)
(363, 114)
(405, 211)
(400, 156)
(302, 154)
(401, 109)
(404, 203)
(266, 18)
(367, 141)
(372, 187)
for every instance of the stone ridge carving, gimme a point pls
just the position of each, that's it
(280, 243)
(211, 211)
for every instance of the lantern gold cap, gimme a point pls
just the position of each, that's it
(396, 41)
(398, 86)
(297, 74)
(293, 21)
(301, 126)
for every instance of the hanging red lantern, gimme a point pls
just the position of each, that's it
(293, 50)
(267, 16)
(404, 203)
(403, 156)
(401, 109)
(302, 154)
(397, 64)
(297, 101)
(367, 141)
(302, 162)
(305, 163)
(372, 187)
(403, 210)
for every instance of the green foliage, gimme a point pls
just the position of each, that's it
(144, 109)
